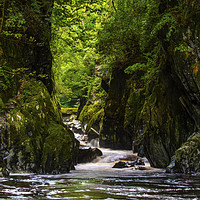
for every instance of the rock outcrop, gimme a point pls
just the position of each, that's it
(113, 134)
(160, 115)
(186, 159)
(32, 135)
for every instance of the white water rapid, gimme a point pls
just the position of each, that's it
(108, 159)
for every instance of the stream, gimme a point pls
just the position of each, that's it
(98, 180)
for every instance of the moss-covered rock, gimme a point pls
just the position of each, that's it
(33, 134)
(166, 124)
(187, 157)
(30, 117)
(92, 115)
(58, 155)
(94, 125)
(69, 111)
(89, 110)
(162, 116)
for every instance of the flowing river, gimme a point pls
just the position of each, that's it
(98, 180)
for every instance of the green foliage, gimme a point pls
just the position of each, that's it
(129, 36)
(150, 65)
(127, 28)
(75, 28)
(6, 77)
(132, 33)
(137, 66)
(24, 21)
(169, 20)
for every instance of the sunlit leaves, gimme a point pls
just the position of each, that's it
(75, 28)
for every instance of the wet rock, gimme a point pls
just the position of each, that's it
(75, 126)
(120, 164)
(171, 168)
(138, 161)
(143, 168)
(88, 154)
(5, 172)
(187, 157)
(132, 163)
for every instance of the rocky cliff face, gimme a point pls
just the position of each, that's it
(165, 112)
(158, 119)
(113, 134)
(33, 137)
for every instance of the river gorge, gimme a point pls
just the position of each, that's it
(98, 180)
(129, 70)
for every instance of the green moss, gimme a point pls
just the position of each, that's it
(90, 110)
(187, 157)
(58, 149)
(69, 111)
(33, 119)
(2, 105)
(96, 120)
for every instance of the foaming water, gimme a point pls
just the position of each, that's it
(107, 161)
(98, 180)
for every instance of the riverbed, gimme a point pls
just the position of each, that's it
(98, 180)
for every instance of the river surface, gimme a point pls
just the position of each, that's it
(98, 180)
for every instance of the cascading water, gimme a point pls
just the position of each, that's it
(108, 160)
(98, 180)
(109, 157)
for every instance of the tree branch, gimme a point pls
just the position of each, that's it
(113, 3)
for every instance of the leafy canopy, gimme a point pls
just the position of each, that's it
(75, 28)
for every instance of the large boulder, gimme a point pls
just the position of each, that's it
(187, 157)
(33, 137)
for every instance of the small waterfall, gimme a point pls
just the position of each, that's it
(112, 156)
(79, 132)
(94, 143)
(107, 160)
